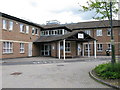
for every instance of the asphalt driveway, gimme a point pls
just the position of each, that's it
(54, 75)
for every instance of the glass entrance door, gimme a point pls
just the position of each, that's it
(46, 49)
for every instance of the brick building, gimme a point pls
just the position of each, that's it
(21, 38)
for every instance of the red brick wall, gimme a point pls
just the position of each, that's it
(17, 37)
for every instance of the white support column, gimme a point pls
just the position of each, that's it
(95, 48)
(83, 49)
(88, 49)
(59, 49)
(64, 49)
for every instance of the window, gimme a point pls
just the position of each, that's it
(21, 28)
(10, 25)
(36, 31)
(108, 32)
(55, 32)
(21, 47)
(42, 33)
(109, 47)
(88, 32)
(99, 47)
(33, 31)
(46, 33)
(4, 24)
(7, 47)
(60, 32)
(99, 32)
(50, 32)
(67, 47)
(27, 29)
(86, 47)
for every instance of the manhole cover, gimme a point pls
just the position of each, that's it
(60, 65)
(16, 73)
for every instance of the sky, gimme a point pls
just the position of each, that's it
(40, 11)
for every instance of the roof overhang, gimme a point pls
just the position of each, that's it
(72, 36)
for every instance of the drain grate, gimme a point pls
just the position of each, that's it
(60, 65)
(16, 73)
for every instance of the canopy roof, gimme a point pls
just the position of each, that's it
(72, 36)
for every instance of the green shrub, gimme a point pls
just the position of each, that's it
(108, 71)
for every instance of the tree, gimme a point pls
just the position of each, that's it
(104, 10)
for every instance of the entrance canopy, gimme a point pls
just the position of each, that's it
(78, 36)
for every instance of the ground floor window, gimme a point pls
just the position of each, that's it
(67, 47)
(22, 48)
(99, 47)
(7, 47)
(86, 47)
(109, 47)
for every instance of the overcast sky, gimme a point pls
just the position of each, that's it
(40, 11)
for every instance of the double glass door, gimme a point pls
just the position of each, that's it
(46, 50)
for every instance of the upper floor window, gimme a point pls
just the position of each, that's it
(60, 31)
(4, 24)
(27, 29)
(21, 28)
(7, 47)
(99, 47)
(36, 31)
(10, 25)
(108, 32)
(22, 48)
(88, 32)
(33, 31)
(99, 32)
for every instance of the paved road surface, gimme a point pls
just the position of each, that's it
(54, 75)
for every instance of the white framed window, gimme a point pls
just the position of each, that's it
(36, 31)
(46, 33)
(27, 29)
(10, 25)
(108, 32)
(7, 47)
(99, 32)
(33, 31)
(109, 47)
(22, 50)
(4, 22)
(55, 32)
(42, 33)
(60, 31)
(22, 28)
(100, 47)
(67, 47)
(86, 47)
(88, 32)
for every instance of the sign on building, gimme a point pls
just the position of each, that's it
(80, 35)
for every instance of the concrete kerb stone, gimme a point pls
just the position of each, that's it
(102, 81)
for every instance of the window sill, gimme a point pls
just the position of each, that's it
(7, 53)
(5, 29)
(99, 51)
(67, 51)
(22, 32)
(22, 52)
